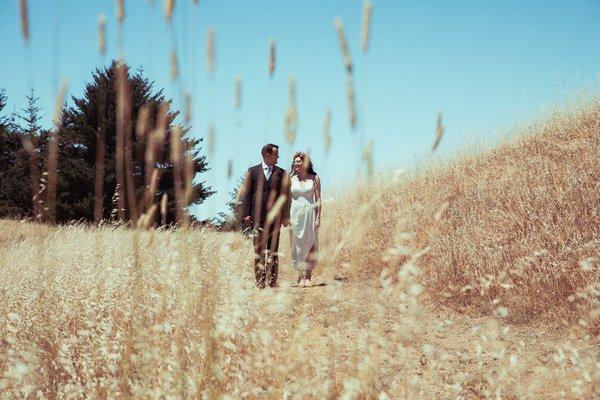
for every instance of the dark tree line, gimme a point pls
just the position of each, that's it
(15, 179)
(89, 152)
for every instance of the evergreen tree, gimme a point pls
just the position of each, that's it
(30, 116)
(2, 106)
(15, 198)
(37, 137)
(94, 115)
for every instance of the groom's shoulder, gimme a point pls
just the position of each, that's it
(252, 168)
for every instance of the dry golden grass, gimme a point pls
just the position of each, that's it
(519, 225)
(111, 312)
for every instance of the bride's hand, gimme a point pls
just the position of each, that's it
(317, 223)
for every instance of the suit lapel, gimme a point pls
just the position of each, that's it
(273, 172)
(261, 176)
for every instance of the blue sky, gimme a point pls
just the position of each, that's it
(487, 65)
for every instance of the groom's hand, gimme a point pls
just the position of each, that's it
(248, 219)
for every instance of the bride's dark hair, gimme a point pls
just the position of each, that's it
(305, 159)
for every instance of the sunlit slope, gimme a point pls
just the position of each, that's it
(517, 226)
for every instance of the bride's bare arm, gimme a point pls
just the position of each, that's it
(318, 200)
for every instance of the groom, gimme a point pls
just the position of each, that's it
(265, 205)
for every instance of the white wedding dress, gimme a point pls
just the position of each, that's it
(303, 234)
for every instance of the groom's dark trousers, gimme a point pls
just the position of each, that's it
(260, 196)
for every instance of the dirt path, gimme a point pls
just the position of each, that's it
(342, 333)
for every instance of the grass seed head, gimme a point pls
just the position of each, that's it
(169, 5)
(439, 131)
(187, 114)
(102, 34)
(212, 137)
(291, 115)
(327, 131)
(366, 25)
(210, 51)
(24, 20)
(143, 121)
(339, 26)
(271, 57)
(120, 11)
(238, 92)
(174, 66)
(351, 101)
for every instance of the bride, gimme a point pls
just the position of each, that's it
(305, 217)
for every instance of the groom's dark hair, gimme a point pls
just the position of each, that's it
(268, 149)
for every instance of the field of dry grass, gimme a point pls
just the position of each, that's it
(475, 279)
(517, 226)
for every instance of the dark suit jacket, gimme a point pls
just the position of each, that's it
(260, 195)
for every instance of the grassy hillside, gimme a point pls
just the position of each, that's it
(517, 226)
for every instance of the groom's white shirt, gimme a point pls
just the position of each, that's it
(267, 170)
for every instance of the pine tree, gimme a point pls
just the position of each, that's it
(15, 199)
(2, 105)
(93, 117)
(30, 115)
(37, 139)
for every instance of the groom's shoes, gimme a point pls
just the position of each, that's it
(266, 273)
